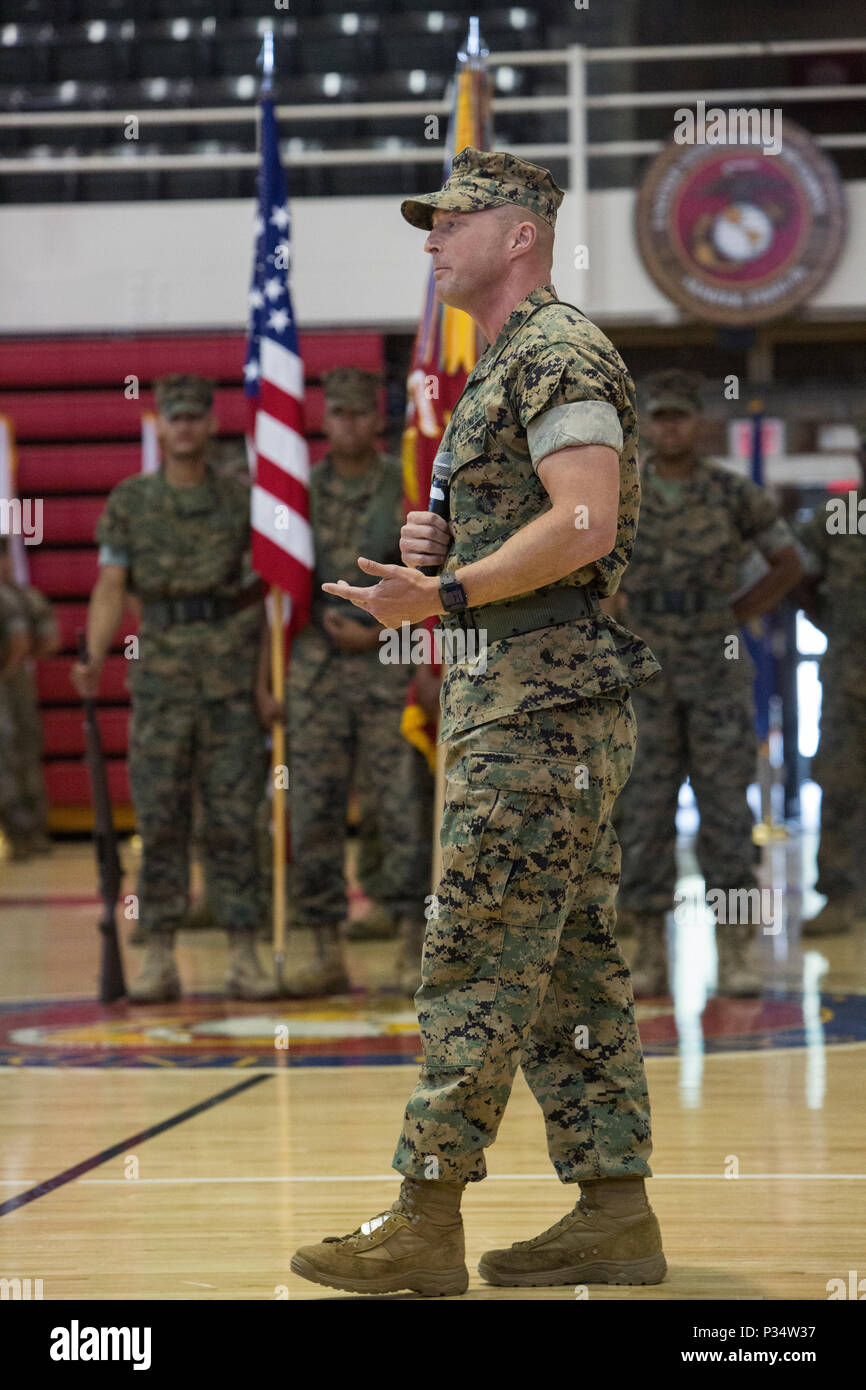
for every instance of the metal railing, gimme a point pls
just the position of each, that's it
(574, 102)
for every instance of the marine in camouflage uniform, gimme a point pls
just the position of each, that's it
(345, 705)
(21, 711)
(835, 562)
(15, 818)
(179, 540)
(521, 964)
(698, 530)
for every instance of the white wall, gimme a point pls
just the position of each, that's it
(185, 265)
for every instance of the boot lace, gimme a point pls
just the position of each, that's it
(401, 1207)
(580, 1208)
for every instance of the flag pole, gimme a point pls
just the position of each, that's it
(278, 666)
(278, 762)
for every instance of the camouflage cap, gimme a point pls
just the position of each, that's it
(183, 395)
(350, 388)
(672, 389)
(482, 179)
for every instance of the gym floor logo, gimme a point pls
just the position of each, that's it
(380, 1030)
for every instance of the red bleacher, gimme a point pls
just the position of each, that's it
(78, 435)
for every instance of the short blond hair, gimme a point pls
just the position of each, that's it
(511, 214)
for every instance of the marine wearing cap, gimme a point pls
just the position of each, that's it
(350, 388)
(180, 394)
(482, 179)
(672, 389)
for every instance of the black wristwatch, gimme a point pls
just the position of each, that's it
(452, 594)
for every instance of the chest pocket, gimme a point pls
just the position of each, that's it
(492, 495)
(468, 443)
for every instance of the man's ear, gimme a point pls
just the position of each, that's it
(524, 235)
(213, 424)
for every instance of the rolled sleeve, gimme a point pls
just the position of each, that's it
(111, 555)
(568, 395)
(776, 537)
(572, 425)
(112, 531)
(812, 544)
(760, 522)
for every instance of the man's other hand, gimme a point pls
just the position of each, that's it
(425, 539)
(348, 635)
(270, 710)
(85, 678)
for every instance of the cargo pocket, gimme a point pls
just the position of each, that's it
(506, 835)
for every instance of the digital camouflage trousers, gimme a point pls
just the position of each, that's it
(521, 965)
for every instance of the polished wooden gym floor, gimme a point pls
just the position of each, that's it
(182, 1152)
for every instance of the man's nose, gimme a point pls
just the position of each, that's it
(433, 242)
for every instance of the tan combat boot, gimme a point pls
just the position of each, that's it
(407, 975)
(836, 917)
(246, 978)
(611, 1237)
(418, 1244)
(376, 925)
(738, 978)
(649, 969)
(328, 974)
(159, 982)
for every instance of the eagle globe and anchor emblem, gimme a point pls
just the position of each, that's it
(737, 234)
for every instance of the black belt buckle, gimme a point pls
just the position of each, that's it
(198, 608)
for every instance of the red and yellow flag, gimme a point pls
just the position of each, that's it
(446, 344)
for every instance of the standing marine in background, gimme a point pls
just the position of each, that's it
(834, 597)
(21, 711)
(699, 524)
(345, 705)
(14, 648)
(180, 539)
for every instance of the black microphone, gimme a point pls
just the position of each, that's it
(440, 488)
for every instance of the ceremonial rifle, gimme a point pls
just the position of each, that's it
(111, 982)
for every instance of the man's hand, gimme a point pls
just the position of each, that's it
(270, 710)
(425, 539)
(786, 570)
(401, 596)
(347, 635)
(85, 678)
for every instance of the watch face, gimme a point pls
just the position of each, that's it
(453, 594)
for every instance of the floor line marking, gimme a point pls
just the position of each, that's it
(70, 1174)
(491, 1177)
(339, 1069)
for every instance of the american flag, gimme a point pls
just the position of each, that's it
(274, 383)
